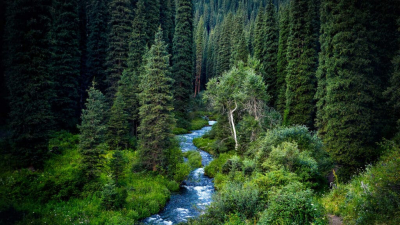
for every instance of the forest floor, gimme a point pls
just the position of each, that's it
(334, 220)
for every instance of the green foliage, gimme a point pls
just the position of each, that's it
(118, 133)
(215, 166)
(282, 59)
(293, 204)
(181, 172)
(92, 131)
(302, 64)
(119, 31)
(117, 165)
(304, 139)
(182, 60)
(29, 81)
(373, 196)
(156, 106)
(205, 144)
(65, 62)
(234, 198)
(112, 198)
(194, 159)
(351, 90)
(198, 123)
(97, 11)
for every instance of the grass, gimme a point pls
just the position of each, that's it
(373, 197)
(194, 159)
(58, 194)
(205, 144)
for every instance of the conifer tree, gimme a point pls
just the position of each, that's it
(118, 132)
(137, 45)
(224, 46)
(271, 51)
(28, 79)
(199, 55)
(259, 35)
(282, 57)
(129, 89)
(152, 14)
(156, 118)
(347, 86)
(92, 130)
(167, 20)
(183, 60)
(65, 62)
(302, 65)
(97, 43)
(120, 28)
(241, 51)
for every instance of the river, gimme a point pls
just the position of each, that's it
(195, 192)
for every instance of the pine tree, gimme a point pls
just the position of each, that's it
(271, 51)
(156, 106)
(28, 79)
(199, 55)
(302, 65)
(167, 20)
(224, 46)
(240, 52)
(347, 88)
(120, 28)
(118, 132)
(282, 57)
(137, 45)
(92, 130)
(259, 35)
(65, 62)
(129, 88)
(183, 60)
(97, 43)
(152, 14)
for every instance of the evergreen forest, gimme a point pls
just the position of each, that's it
(235, 112)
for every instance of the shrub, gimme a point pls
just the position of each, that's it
(198, 123)
(178, 131)
(235, 198)
(306, 141)
(293, 204)
(215, 166)
(181, 172)
(194, 159)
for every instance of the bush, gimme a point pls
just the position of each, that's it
(198, 123)
(194, 159)
(293, 204)
(235, 198)
(215, 166)
(306, 141)
(178, 131)
(181, 172)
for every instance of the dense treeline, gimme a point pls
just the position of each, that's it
(54, 50)
(324, 68)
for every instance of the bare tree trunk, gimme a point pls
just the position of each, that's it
(232, 122)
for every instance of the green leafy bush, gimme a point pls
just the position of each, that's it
(306, 141)
(194, 159)
(235, 198)
(292, 204)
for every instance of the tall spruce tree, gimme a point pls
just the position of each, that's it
(271, 40)
(120, 28)
(65, 62)
(302, 64)
(129, 89)
(137, 45)
(282, 57)
(167, 21)
(225, 46)
(259, 35)
(199, 56)
(153, 19)
(183, 60)
(118, 132)
(97, 44)
(92, 130)
(156, 118)
(28, 79)
(347, 89)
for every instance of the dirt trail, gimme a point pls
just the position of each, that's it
(335, 220)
